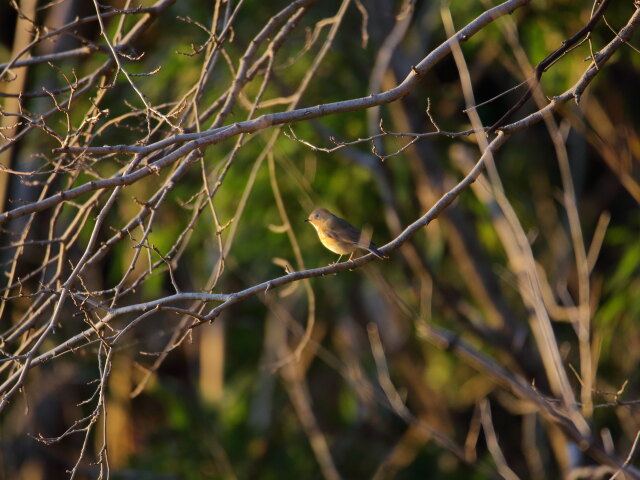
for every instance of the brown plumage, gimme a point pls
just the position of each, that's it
(340, 236)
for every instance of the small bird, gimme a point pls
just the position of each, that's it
(340, 236)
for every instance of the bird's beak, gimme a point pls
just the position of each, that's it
(307, 220)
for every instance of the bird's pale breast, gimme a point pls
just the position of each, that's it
(336, 246)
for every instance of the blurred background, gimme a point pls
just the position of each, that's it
(339, 376)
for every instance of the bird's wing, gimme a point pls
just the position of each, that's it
(346, 232)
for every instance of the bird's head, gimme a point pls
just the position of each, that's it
(319, 216)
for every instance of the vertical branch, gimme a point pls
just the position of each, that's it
(582, 317)
(493, 442)
(541, 324)
(9, 125)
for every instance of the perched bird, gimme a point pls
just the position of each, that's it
(340, 236)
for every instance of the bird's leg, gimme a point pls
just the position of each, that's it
(337, 261)
(351, 256)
